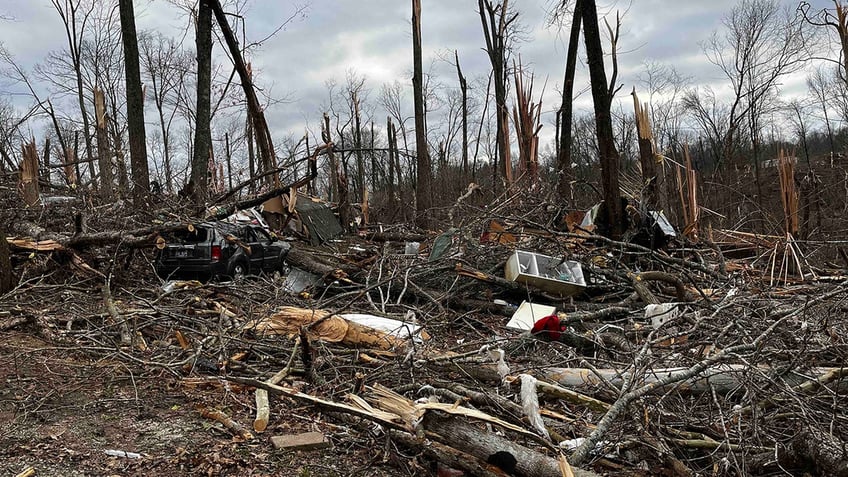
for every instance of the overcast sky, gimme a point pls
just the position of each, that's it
(372, 38)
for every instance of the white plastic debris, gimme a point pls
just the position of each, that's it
(572, 444)
(530, 404)
(169, 286)
(120, 453)
(528, 314)
(661, 314)
(497, 355)
(398, 329)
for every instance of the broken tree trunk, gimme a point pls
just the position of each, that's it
(263, 408)
(311, 263)
(724, 378)
(29, 174)
(41, 239)
(263, 135)
(325, 326)
(103, 157)
(646, 154)
(489, 447)
(223, 212)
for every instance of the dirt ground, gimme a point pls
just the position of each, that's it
(60, 412)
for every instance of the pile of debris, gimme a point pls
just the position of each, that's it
(505, 345)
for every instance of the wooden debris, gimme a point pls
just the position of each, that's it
(325, 326)
(301, 442)
(28, 472)
(234, 427)
(263, 409)
(722, 378)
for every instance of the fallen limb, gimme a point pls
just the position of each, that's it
(723, 378)
(126, 338)
(490, 447)
(28, 472)
(386, 419)
(42, 240)
(652, 253)
(234, 427)
(447, 455)
(600, 315)
(572, 396)
(581, 454)
(807, 387)
(13, 322)
(306, 261)
(679, 289)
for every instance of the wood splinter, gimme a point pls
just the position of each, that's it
(234, 427)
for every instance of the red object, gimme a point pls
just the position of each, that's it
(216, 252)
(549, 326)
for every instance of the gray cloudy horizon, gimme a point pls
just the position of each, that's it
(373, 39)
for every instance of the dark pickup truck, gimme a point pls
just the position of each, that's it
(220, 250)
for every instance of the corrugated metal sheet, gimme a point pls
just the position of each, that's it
(319, 220)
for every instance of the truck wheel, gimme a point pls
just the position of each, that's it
(239, 271)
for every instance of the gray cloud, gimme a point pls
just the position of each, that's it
(373, 38)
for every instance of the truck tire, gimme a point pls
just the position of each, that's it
(238, 271)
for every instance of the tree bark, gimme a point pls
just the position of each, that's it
(203, 111)
(423, 200)
(565, 174)
(135, 106)
(491, 448)
(357, 144)
(826, 454)
(5, 265)
(463, 87)
(392, 140)
(612, 219)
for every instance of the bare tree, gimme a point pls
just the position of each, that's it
(165, 67)
(75, 15)
(260, 126)
(564, 161)
(498, 23)
(463, 87)
(665, 86)
(135, 105)
(391, 98)
(761, 42)
(203, 112)
(613, 218)
(423, 200)
(713, 119)
(822, 87)
(836, 20)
